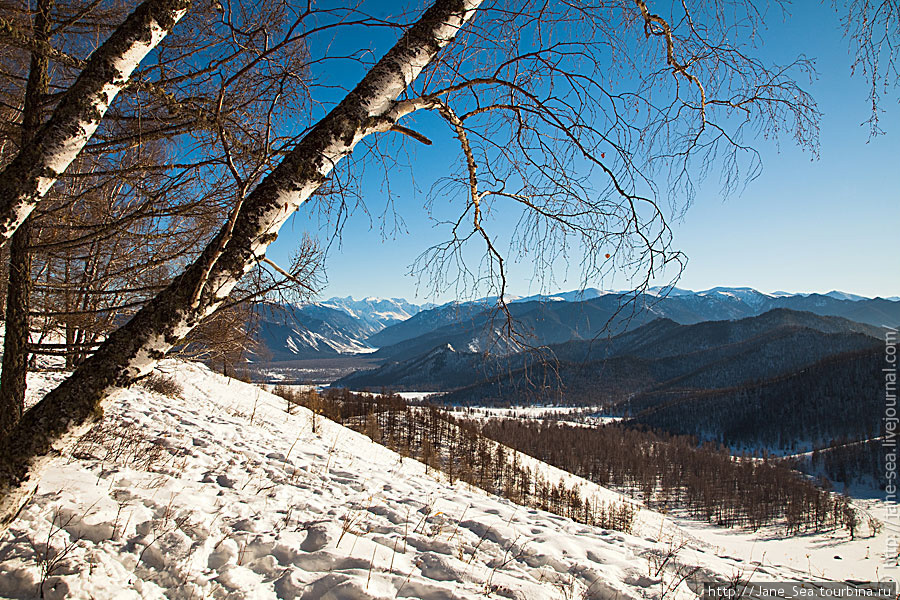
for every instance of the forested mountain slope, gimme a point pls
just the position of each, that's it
(661, 355)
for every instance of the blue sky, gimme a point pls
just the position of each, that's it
(803, 225)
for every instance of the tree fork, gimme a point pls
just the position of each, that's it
(134, 349)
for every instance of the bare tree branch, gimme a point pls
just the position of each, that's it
(25, 181)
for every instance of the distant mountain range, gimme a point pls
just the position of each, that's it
(781, 371)
(393, 329)
(740, 292)
(661, 357)
(377, 313)
(337, 326)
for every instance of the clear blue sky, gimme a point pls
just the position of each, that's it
(804, 225)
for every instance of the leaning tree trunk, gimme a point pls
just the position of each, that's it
(18, 291)
(25, 181)
(133, 350)
(17, 330)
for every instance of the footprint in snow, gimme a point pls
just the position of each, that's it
(438, 568)
(317, 537)
(225, 481)
(247, 525)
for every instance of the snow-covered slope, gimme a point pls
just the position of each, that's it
(219, 493)
(572, 296)
(288, 331)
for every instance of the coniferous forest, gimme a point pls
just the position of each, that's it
(667, 472)
(674, 473)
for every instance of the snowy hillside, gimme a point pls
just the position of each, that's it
(218, 492)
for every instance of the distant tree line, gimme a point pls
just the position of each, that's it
(836, 397)
(673, 472)
(846, 460)
(457, 448)
(831, 404)
(667, 471)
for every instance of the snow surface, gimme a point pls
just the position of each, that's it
(220, 493)
(303, 339)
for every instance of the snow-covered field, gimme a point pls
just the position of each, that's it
(584, 415)
(219, 493)
(530, 412)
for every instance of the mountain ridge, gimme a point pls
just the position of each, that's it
(659, 353)
(394, 329)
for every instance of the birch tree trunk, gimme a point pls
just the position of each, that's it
(136, 347)
(25, 181)
(18, 298)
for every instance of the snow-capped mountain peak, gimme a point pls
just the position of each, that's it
(376, 312)
(837, 295)
(572, 296)
(747, 295)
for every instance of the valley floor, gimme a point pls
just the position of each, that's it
(218, 492)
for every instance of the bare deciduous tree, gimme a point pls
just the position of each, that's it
(25, 181)
(132, 350)
(132, 209)
(16, 338)
(873, 28)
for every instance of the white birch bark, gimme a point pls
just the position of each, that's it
(25, 181)
(136, 347)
